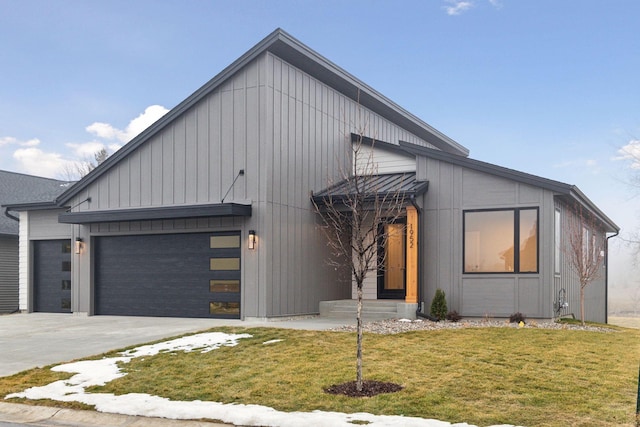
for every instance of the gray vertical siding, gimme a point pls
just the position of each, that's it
(290, 133)
(595, 292)
(8, 274)
(454, 189)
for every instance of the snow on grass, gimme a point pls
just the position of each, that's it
(99, 372)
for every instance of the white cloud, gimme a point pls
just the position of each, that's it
(86, 149)
(6, 140)
(133, 129)
(9, 140)
(30, 143)
(38, 161)
(112, 148)
(631, 152)
(456, 7)
(104, 130)
(34, 161)
(496, 3)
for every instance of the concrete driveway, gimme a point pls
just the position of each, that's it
(40, 339)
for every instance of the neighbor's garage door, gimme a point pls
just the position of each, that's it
(173, 275)
(52, 276)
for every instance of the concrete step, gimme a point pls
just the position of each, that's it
(371, 309)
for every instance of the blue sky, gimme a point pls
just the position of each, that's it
(546, 87)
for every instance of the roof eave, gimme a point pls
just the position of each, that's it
(34, 206)
(576, 195)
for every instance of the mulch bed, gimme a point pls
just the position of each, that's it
(369, 388)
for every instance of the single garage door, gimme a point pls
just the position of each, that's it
(172, 275)
(52, 276)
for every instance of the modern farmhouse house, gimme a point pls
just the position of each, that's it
(209, 213)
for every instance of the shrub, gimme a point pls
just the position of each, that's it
(517, 318)
(453, 316)
(439, 305)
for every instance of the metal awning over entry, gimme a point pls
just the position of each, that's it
(396, 188)
(404, 185)
(165, 212)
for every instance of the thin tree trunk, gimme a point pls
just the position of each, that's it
(582, 304)
(359, 341)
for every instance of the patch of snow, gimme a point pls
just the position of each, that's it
(99, 372)
(271, 342)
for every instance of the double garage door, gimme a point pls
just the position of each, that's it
(173, 275)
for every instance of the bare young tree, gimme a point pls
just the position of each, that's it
(584, 247)
(76, 170)
(353, 214)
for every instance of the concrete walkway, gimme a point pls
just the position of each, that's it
(12, 414)
(41, 339)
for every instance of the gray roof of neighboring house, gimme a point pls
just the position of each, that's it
(18, 188)
(297, 54)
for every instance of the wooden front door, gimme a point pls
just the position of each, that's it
(391, 275)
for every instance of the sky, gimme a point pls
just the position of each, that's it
(89, 373)
(547, 87)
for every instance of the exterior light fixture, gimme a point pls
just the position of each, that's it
(252, 239)
(78, 245)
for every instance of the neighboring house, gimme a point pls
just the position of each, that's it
(207, 213)
(17, 188)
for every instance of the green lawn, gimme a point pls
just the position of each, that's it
(483, 376)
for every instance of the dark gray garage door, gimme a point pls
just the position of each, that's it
(173, 275)
(52, 276)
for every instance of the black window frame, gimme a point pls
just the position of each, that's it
(516, 240)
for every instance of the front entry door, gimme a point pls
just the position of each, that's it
(391, 274)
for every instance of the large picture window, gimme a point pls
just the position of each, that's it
(501, 241)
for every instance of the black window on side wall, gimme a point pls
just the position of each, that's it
(501, 241)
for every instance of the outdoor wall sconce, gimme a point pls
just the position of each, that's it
(78, 246)
(252, 239)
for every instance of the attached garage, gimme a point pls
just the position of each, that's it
(52, 276)
(168, 275)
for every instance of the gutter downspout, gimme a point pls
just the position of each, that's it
(8, 215)
(606, 278)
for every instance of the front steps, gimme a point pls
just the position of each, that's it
(371, 309)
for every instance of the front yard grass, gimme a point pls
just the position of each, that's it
(483, 376)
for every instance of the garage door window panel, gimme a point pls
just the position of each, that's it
(224, 285)
(221, 242)
(222, 308)
(216, 264)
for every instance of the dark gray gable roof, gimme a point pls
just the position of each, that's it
(297, 54)
(18, 189)
(567, 191)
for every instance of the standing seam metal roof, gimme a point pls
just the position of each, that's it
(405, 184)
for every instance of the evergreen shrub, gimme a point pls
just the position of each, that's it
(439, 305)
